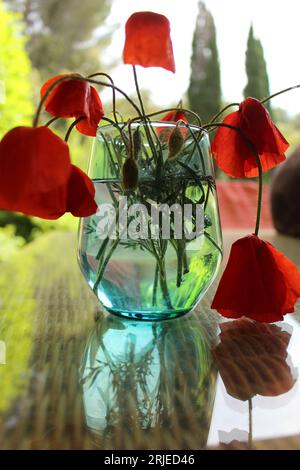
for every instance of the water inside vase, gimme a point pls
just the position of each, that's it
(127, 276)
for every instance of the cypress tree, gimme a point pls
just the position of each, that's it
(256, 69)
(204, 92)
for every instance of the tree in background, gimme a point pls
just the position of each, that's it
(15, 73)
(256, 69)
(204, 92)
(64, 35)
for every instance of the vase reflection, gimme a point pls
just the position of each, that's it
(140, 377)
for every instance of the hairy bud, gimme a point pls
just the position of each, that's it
(176, 142)
(130, 174)
(137, 143)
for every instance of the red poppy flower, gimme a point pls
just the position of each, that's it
(252, 359)
(148, 42)
(259, 282)
(35, 173)
(74, 98)
(81, 193)
(234, 156)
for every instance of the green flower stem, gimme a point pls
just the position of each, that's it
(72, 127)
(164, 284)
(223, 110)
(260, 187)
(186, 268)
(48, 123)
(259, 167)
(212, 241)
(154, 294)
(102, 74)
(104, 264)
(280, 93)
(151, 143)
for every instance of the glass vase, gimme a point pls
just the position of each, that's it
(154, 246)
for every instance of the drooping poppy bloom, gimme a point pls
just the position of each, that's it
(148, 42)
(232, 152)
(80, 194)
(74, 98)
(252, 359)
(259, 282)
(35, 172)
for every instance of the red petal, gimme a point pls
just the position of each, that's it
(259, 282)
(148, 42)
(89, 126)
(81, 193)
(230, 150)
(75, 98)
(234, 156)
(258, 127)
(34, 164)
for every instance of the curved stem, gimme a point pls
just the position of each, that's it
(259, 167)
(260, 186)
(151, 143)
(102, 74)
(72, 127)
(280, 93)
(48, 123)
(222, 111)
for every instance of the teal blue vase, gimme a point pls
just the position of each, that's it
(154, 246)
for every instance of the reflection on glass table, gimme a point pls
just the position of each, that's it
(258, 388)
(143, 378)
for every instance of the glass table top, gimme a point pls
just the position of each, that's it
(72, 377)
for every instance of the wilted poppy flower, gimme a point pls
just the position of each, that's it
(234, 156)
(35, 172)
(252, 359)
(74, 98)
(259, 282)
(81, 192)
(148, 42)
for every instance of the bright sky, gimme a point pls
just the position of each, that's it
(276, 24)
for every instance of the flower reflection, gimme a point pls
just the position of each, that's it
(150, 385)
(252, 359)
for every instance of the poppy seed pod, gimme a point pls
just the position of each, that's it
(130, 174)
(176, 142)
